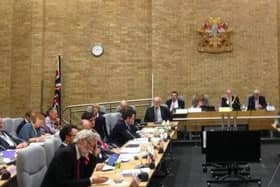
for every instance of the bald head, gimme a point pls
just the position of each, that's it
(123, 104)
(157, 101)
(87, 124)
(228, 92)
(256, 93)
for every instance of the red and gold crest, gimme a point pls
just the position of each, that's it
(216, 36)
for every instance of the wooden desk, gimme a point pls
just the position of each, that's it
(131, 165)
(256, 120)
(171, 123)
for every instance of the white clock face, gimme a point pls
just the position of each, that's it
(97, 50)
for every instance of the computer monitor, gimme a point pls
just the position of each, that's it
(204, 129)
(233, 146)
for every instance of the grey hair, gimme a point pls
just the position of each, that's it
(86, 135)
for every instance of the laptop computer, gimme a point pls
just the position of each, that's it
(207, 108)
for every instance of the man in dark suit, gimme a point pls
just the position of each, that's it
(125, 129)
(230, 100)
(256, 101)
(7, 141)
(174, 102)
(73, 165)
(67, 134)
(157, 113)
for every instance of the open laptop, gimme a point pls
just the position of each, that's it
(207, 108)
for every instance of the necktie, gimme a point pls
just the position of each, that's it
(155, 115)
(85, 160)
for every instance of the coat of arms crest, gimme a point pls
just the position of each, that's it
(215, 36)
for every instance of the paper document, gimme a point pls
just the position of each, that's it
(134, 172)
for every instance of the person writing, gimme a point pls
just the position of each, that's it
(74, 165)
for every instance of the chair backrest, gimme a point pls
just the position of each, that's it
(16, 122)
(102, 109)
(164, 105)
(57, 143)
(111, 120)
(246, 102)
(180, 97)
(49, 150)
(8, 125)
(206, 99)
(31, 166)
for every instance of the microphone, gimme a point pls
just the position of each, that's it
(130, 134)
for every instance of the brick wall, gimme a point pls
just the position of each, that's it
(139, 38)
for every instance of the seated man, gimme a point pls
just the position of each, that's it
(30, 132)
(230, 100)
(125, 129)
(123, 105)
(157, 113)
(74, 165)
(27, 119)
(256, 101)
(7, 141)
(51, 122)
(67, 134)
(174, 102)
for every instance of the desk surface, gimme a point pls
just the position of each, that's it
(131, 165)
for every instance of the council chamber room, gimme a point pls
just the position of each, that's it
(139, 93)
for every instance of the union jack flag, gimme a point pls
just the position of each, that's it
(57, 89)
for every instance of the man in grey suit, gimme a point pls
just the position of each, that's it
(157, 113)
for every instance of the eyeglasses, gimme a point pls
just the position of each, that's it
(71, 135)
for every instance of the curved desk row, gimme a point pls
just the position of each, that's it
(256, 120)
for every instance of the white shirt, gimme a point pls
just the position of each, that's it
(158, 114)
(8, 139)
(78, 155)
(174, 105)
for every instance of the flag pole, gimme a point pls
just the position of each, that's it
(60, 102)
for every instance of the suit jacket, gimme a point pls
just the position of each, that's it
(5, 145)
(181, 103)
(27, 132)
(251, 102)
(235, 105)
(100, 126)
(22, 123)
(121, 133)
(150, 114)
(63, 169)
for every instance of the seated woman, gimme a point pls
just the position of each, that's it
(7, 141)
(30, 132)
(199, 100)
